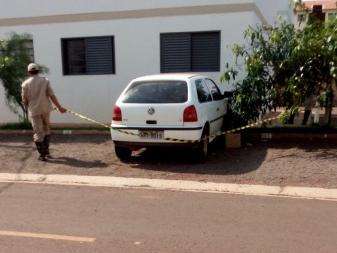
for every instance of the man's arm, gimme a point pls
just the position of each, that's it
(55, 101)
(53, 98)
(24, 96)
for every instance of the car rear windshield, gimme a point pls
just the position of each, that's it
(157, 92)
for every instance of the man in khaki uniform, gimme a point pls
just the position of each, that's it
(309, 103)
(37, 96)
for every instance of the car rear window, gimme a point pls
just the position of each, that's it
(157, 92)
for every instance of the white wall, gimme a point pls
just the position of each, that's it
(271, 9)
(5, 114)
(137, 54)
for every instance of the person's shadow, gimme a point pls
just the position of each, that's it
(73, 162)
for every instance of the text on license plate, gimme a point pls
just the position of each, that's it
(151, 134)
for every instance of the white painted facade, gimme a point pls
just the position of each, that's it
(137, 40)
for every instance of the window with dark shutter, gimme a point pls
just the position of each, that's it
(175, 52)
(195, 52)
(91, 56)
(75, 57)
(29, 45)
(205, 52)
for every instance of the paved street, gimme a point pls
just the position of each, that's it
(125, 220)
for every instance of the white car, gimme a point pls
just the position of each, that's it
(155, 110)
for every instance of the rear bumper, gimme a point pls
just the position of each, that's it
(130, 136)
(138, 145)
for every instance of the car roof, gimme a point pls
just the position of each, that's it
(171, 76)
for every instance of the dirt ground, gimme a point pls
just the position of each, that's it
(297, 164)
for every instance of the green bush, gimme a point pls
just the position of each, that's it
(17, 126)
(282, 67)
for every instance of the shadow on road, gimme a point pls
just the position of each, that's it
(220, 161)
(322, 149)
(73, 162)
(228, 162)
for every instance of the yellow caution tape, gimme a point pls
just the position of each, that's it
(81, 116)
(87, 118)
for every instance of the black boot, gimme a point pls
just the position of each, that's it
(306, 117)
(42, 150)
(46, 142)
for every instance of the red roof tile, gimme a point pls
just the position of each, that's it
(326, 4)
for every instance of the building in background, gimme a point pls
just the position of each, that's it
(94, 50)
(321, 9)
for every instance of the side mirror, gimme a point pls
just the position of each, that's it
(228, 94)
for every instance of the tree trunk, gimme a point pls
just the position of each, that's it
(291, 119)
(24, 113)
(327, 115)
(329, 104)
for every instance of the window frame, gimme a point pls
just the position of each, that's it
(216, 86)
(191, 58)
(302, 17)
(63, 55)
(30, 50)
(331, 15)
(209, 92)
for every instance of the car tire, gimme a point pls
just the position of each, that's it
(202, 149)
(123, 153)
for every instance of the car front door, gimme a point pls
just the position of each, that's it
(218, 106)
(205, 102)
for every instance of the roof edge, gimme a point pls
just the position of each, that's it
(135, 14)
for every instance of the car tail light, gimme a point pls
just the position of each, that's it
(190, 114)
(117, 114)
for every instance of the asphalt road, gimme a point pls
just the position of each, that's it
(133, 220)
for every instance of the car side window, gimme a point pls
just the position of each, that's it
(204, 94)
(215, 91)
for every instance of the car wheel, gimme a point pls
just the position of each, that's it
(123, 153)
(202, 149)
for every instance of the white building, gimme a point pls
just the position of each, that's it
(94, 48)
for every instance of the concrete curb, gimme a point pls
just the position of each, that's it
(175, 185)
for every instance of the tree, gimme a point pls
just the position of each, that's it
(266, 65)
(282, 67)
(14, 58)
(316, 54)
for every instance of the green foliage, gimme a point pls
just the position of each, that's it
(287, 117)
(25, 125)
(282, 67)
(14, 58)
(265, 62)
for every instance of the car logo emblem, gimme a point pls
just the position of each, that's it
(151, 111)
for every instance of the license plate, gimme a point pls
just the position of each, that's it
(151, 134)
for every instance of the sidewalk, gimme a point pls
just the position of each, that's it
(173, 185)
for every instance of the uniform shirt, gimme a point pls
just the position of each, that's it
(37, 91)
